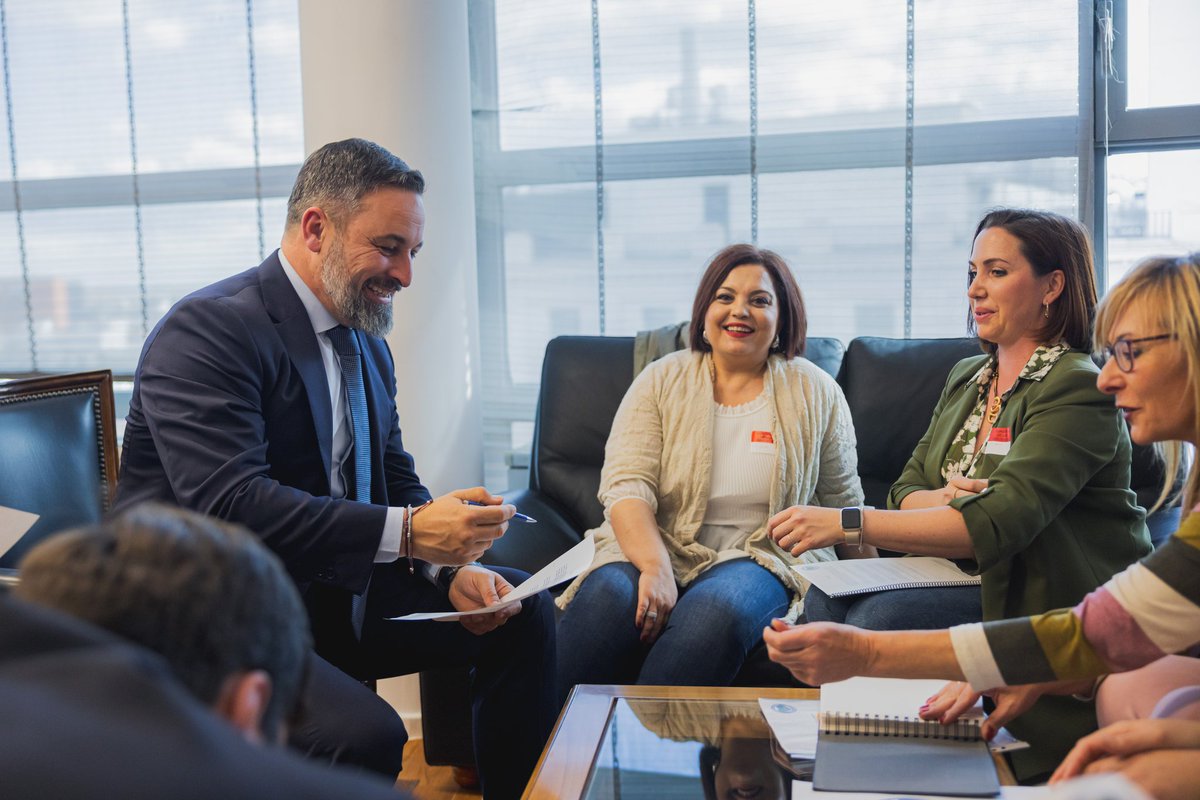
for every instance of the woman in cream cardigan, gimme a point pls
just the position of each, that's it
(707, 445)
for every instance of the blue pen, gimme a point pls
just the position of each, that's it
(518, 516)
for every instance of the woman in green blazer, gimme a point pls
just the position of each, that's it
(1023, 473)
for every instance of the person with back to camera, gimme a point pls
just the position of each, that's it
(1024, 468)
(165, 641)
(706, 445)
(1149, 328)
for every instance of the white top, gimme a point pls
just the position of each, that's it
(743, 468)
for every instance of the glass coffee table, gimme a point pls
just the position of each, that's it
(666, 742)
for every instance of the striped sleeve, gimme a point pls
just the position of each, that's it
(1148, 611)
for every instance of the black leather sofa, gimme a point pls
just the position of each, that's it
(891, 385)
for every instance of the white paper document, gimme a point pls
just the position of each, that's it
(13, 525)
(860, 575)
(561, 569)
(794, 725)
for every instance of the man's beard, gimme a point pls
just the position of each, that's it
(349, 301)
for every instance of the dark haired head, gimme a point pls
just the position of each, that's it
(207, 596)
(1052, 242)
(793, 322)
(340, 174)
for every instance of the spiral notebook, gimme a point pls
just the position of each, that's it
(872, 740)
(862, 575)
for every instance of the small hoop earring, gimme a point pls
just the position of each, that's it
(775, 344)
(704, 337)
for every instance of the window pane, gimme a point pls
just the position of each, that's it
(14, 322)
(199, 52)
(948, 202)
(1153, 207)
(277, 64)
(551, 283)
(86, 304)
(990, 61)
(842, 233)
(830, 66)
(674, 70)
(191, 93)
(182, 256)
(543, 73)
(67, 71)
(658, 237)
(1162, 53)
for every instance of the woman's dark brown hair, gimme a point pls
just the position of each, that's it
(1051, 241)
(793, 321)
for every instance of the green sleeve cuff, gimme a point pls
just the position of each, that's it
(980, 528)
(898, 493)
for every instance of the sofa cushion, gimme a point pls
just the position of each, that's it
(826, 353)
(583, 381)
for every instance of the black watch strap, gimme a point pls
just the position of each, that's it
(445, 575)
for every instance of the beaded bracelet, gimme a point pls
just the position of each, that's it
(407, 533)
(406, 538)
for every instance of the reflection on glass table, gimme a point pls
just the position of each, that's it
(690, 748)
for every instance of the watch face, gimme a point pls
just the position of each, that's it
(851, 519)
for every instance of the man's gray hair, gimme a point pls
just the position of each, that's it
(337, 176)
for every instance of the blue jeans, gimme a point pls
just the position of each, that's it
(718, 619)
(899, 609)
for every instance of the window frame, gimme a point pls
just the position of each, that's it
(1119, 130)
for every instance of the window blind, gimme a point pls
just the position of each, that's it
(620, 143)
(147, 147)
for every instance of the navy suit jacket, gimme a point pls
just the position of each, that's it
(230, 416)
(87, 714)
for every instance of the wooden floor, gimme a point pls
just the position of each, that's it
(424, 782)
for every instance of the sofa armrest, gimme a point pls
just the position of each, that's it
(531, 546)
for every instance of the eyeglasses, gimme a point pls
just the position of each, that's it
(1123, 351)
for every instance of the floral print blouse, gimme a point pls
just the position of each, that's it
(960, 458)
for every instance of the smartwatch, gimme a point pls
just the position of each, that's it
(852, 526)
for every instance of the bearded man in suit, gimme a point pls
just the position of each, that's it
(268, 399)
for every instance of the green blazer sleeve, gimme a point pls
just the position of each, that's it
(1064, 432)
(920, 473)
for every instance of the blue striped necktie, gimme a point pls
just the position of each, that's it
(345, 344)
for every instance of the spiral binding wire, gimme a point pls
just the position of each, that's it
(899, 727)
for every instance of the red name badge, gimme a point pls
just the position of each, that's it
(1000, 435)
(763, 437)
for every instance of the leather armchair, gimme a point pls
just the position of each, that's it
(58, 453)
